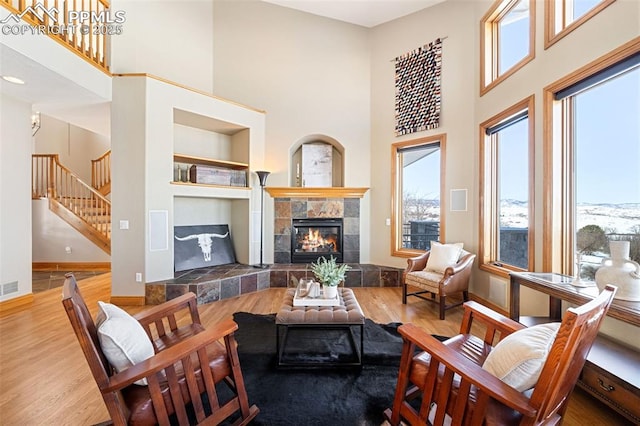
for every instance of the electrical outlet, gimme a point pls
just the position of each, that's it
(387, 222)
(138, 277)
(124, 224)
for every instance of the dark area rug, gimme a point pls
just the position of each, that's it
(318, 396)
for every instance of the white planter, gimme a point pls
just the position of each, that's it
(330, 291)
(620, 271)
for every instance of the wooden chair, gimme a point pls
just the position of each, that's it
(446, 383)
(455, 279)
(178, 386)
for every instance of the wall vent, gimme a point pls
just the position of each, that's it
(9, 288)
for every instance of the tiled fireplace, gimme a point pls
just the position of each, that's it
(289, 209)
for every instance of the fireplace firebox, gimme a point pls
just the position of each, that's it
(314, 238)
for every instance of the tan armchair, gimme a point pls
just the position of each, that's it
(455, 279)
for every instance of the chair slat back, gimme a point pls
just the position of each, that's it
(568, 354)
(85, 330)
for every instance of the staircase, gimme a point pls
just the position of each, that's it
(82, 206)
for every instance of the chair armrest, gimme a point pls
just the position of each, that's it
(492, 320)
(170, 356)
(470, 372)
(462, 264)
(417, 263)
(170, 307)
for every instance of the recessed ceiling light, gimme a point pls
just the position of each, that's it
(12, 79)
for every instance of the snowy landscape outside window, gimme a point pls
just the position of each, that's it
(506, 168)
(417, 189)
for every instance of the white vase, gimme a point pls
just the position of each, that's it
(330, 291)
(620, 271)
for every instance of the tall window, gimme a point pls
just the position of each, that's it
(507, 40)
(564, 16)
(418, 170)
(506, 185)
(600, 176)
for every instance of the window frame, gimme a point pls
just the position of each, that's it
(555, 13)
(558, 227)
(397, 193)
(489, 197)
(489, 40)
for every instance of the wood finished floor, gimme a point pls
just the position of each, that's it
(44, 378)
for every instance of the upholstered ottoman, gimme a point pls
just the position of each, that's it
(317, 321)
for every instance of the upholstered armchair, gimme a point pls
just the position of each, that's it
(448, 274)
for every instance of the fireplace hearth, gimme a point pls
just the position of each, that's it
(316, 237)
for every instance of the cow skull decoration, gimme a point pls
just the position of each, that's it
(204, 241)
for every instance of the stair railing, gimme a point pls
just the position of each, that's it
(101, 173)
(73, 23)
(52, 180)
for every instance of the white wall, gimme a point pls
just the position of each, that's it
(51, 235)
(310, 74)
(455, 21)
(170, 39)
(15, 195)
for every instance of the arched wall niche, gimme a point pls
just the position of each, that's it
(316, 146)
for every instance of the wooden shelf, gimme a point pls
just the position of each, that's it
(181, 158)
(202, 190)
(306, 192)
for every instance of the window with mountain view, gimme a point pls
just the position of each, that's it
(563, 16)
(506, 167)
(507, 40)
(602, 175)
(417, 193)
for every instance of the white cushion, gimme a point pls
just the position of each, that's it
(123, 340)
(442, 256)
(518, 359)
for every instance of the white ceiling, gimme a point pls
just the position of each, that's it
(367, 13)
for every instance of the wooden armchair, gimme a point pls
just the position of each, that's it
(179, 388)
(446, 382)
(454, 279)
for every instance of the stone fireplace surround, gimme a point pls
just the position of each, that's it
(287, 209)
(227, 281)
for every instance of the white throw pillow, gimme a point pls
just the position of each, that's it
(442, 256)
(518, 359)
(123, 340)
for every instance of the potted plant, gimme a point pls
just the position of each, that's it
(330, 274)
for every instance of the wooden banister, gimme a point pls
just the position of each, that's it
(101, 173)
(87, 37)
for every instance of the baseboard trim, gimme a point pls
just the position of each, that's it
(16, 304)
(128, 300)
(71, 266)
(489, 304)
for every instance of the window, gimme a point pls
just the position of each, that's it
(564, 16)
(594, 147)
(507, 40)
(506, 190)
(417, 179)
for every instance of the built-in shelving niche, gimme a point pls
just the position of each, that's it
(202, 140)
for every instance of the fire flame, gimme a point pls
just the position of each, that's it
(313, 241)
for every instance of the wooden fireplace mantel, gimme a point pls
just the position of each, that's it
(307, 192)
